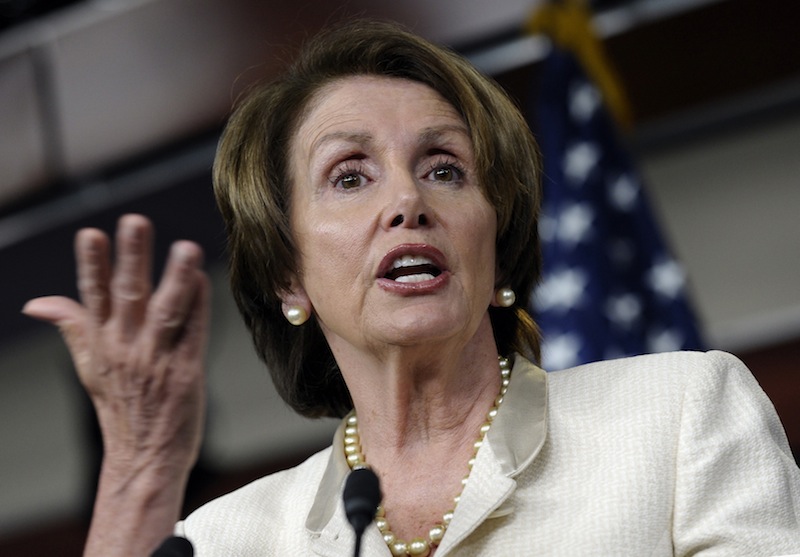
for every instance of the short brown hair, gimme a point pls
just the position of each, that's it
(252, 184)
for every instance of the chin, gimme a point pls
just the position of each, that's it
(422, 326)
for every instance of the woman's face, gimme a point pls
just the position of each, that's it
(396, 239)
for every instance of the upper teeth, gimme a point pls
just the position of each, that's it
(411, 261)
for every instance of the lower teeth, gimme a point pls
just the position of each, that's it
(415, 278)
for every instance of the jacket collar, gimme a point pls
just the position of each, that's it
(516, 437)
(520, 427)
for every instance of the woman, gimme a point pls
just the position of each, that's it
(381, 206)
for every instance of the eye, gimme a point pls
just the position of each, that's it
(349, 181)
(348, 177)
(445, 171)
(444, 174)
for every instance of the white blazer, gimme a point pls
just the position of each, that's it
(662, 455)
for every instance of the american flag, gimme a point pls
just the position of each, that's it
(610, 285)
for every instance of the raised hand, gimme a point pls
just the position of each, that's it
(140, 354)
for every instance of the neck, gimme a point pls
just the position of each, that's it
(413, 501)
(412, 399)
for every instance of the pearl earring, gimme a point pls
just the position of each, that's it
(505, 297)
(296, 315)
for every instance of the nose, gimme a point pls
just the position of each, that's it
(407, 206)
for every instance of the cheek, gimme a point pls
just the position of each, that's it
(479, 245)
(484, 226)
(336, 234)
(332, 254)
(489, 252)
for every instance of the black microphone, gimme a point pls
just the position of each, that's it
(174, 546)
(362, 495)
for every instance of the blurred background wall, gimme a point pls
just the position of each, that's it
(110, 106)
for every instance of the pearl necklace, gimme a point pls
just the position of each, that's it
(420, 547)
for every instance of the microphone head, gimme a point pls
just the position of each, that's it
(362, 495)
(174, 547)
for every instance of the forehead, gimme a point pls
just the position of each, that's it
(358, 101)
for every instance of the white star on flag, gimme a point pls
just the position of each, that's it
(583, 101)
(575, 222)
(623, 193)
(562, 290)
(667, 278)
(579, 161)
(548, 226)
(624, 310)
(561, 352)
(666, 340)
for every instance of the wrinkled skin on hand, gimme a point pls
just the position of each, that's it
(140, 354)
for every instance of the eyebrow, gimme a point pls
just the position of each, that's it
(359, 138)
(428, 135)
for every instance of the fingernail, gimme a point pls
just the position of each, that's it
(182, 253)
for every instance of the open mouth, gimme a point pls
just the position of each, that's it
(413, 268)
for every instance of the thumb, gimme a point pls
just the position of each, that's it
(68, 315)
(56, 310)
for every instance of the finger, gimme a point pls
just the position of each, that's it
(54, 309)
(130, 285)
(195, 333)
(94, 271)
(71, 319)
(172, 303)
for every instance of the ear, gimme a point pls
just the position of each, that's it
(295, 297)
(503, 296)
